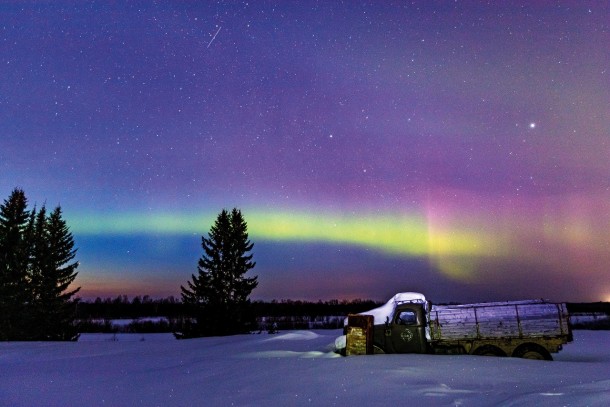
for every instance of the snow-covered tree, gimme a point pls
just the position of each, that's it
(219, 294)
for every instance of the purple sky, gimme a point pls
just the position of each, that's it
(461, 149)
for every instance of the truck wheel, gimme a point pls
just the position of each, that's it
(532, 351)
(489, 350)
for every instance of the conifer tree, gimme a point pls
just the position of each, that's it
(36, 269)
(242, 257)
(219, 294)
(15, 227)
(39, 257)
(52, 273)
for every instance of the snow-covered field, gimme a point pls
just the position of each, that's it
(290, 369)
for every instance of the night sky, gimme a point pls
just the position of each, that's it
(456, 148)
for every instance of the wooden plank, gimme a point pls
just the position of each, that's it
(510, 319)
(359, 336)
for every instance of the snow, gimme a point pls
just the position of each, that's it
(380, 314)
(124, 322)
(590, 318)
(290, 368)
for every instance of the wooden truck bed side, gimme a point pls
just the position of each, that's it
(515, 319)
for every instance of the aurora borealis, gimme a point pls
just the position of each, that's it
(460, 149)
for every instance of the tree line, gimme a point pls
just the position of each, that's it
(122, 307)
(37, 268)
(170, 314)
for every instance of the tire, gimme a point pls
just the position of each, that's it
(532, 351)
(489, 350)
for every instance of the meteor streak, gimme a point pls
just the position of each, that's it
(214, 37)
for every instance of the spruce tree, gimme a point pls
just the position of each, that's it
(36, 269)
(15, 228)
(242, 258)
(52, 273)
(219, 294)
(39, 258)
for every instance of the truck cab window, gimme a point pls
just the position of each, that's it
(407, 318)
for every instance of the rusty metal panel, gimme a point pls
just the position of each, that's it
(359, 335)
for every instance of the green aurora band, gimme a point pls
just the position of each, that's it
(410, 236)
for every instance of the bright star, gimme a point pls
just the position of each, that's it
(532, 125)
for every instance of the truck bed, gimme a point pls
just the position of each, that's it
(499, 320)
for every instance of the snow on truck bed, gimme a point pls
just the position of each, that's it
(294, 368)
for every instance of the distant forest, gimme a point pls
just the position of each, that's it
(589, 307)
(168, 314)
(590, 315)
(145, 314)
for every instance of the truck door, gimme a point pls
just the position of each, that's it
(408, 330)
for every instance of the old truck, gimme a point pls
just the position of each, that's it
(408, 323)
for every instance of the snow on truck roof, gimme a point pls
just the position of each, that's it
(380, 314)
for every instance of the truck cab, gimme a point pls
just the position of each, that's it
(404, 332)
